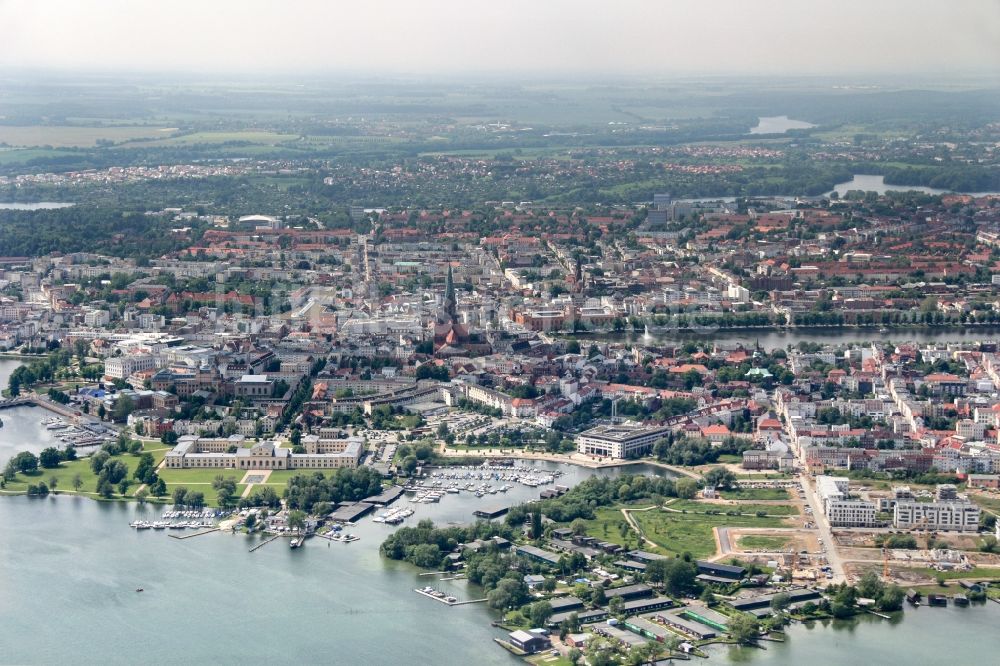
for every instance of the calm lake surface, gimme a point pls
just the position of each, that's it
(778, 125)
(871, 183)
(22, 426)
(69, 568)
(781, 338)
(41, 205)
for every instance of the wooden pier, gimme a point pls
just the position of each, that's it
(191, 536)
(261, 545)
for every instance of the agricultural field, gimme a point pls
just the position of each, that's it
(195, 138)
(71, 136)
(23, 155)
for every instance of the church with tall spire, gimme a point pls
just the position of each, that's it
(450, 305)
(450, 336)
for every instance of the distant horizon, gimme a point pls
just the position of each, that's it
(986, 75)
(516, 38)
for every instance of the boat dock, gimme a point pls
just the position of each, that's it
(431, 593)
(342, 538)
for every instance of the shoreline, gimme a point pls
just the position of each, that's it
(585, 463)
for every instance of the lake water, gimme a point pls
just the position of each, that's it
(22, 426)
(870, 183)
(41, 205)
(781, 338)
(778, 125)
(69, 568)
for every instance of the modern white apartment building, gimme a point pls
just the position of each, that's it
(841, 510)
(625, 440)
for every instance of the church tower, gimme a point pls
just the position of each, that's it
(450, 304)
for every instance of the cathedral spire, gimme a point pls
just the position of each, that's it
(449, 295)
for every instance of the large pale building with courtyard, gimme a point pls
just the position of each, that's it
(236, 452)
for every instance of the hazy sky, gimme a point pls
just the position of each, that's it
(505, 36)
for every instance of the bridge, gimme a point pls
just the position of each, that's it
(16, 402)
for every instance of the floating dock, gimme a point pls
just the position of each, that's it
(445, 599)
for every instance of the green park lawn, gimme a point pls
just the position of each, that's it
(607, 526)
(180, 477)
(762, 494)
(677, 533)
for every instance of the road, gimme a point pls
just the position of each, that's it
(823, 526)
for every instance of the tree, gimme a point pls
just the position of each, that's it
(179, 496)
(720, 477)
(124, 406)
(891, 598)
(50, 457)
(409, 464)
(536, 524)
(686, 488)
(870, 586)
(540, 613)
(297, 520)
(53, 482)
(677, 575)
(743, 627)
(77, 482)
(195, 499)
(141, 495)
(579, 527)
(780, 601)
(25, 462)
(114, 471)
(615, 605)
(105, 489)
(97, 461)
(145, 468)
(158, 487)
(123, 486)
(508, 593)
(69, 453)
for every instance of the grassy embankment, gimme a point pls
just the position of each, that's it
(67, 471)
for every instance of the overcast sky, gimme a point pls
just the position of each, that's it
(430, 37)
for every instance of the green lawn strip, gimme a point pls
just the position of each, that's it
(762, 542)
(743, 507)
(678, 533)
(755, 494)
(200, 475)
